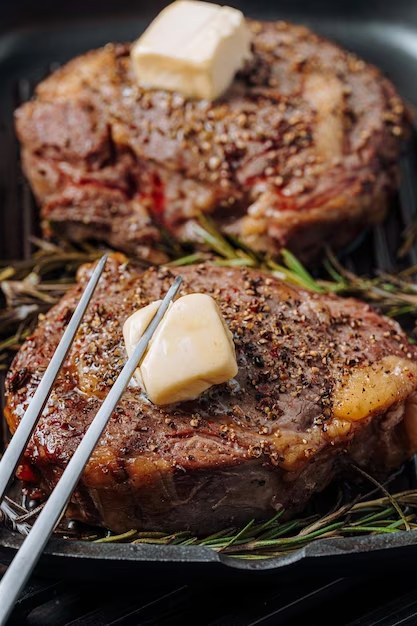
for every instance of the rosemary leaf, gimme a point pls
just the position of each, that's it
(240, 534)
(295, 266)
(189, 259)
(390, 497)
(116, 538)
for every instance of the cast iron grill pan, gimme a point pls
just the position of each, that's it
(25, 58)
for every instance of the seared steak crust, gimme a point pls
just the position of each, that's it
(302, 149)
(265, 439)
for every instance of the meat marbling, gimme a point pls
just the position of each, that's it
(323, 382)
(302, 149)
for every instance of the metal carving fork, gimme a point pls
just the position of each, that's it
(32, 547)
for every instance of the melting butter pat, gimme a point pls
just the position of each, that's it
(191, 350)
(192, 47)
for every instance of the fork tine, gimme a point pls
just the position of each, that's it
(26, 558)
(23, 432)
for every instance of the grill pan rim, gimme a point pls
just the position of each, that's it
(342, 555)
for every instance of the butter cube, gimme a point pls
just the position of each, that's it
(192, 47)
(191, 350)
(135, 326)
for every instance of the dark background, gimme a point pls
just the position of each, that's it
(33, 12)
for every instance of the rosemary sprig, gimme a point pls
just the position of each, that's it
(394, 295)
(32, 286)
(276, 536)
(270, 538)
(231, 252)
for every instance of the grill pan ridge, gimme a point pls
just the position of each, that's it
(25, 58)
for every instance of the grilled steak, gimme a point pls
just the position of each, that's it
(322, 382)
(301, 150)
